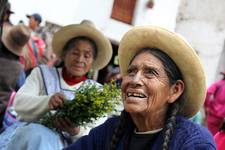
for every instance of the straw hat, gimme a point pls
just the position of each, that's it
(176, 48)
(15, 38)
(86, 29)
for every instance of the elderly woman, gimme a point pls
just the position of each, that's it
(163, 85)
(80, 46)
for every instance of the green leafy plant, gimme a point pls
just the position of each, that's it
(90, 103)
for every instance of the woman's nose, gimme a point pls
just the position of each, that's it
(80, 58)
(137, 78)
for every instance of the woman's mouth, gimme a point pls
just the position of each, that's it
(134, 94)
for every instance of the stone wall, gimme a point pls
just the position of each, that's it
(202, 24)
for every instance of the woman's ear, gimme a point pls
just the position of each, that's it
(176, 91)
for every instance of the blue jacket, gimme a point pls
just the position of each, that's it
(187, 136)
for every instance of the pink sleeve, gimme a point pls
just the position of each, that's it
(209, 95)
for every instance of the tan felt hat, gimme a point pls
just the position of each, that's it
(176, 48)
(86, 29)
(15, 38)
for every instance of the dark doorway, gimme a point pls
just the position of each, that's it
(103, 72)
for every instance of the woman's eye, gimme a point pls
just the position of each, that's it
(75, 53)
(131, 71)
(87, 55)
(151, 72)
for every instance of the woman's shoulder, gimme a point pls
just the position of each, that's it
(189, 128)
(109, 124)
(192, 134)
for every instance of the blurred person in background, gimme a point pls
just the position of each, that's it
(215, 105)
(7, 14)
(35, 49)
(3, 7)
(12, 75)
(34, 22)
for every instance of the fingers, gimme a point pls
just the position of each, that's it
(65, 124)
(57, 100)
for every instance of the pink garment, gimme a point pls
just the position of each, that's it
(34, 54)
(220, 140)
(215, 105)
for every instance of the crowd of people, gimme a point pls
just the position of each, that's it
(160, 77)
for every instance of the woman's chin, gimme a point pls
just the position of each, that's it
(133, 109)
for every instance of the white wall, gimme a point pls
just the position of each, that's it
(57, 11)
(99, 11)
(202, 24)
(163, 13)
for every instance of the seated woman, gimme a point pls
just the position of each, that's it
(80, 47)
(163, 85)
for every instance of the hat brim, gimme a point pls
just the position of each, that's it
(104, 48)
(176, 48)
(15, 49)
(11, 12)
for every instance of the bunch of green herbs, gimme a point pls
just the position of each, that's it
(89, 104)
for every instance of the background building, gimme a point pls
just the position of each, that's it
(200, 22)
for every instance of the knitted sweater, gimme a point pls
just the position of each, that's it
(187, 136)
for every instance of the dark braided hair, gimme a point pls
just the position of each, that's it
(173, 74)
(170, 123)
(118, 132)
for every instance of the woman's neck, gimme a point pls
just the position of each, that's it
(148, 122)
(70, 79)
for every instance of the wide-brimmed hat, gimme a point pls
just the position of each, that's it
(15, 38)
(178, 50)
(8, 9)
(84, 29)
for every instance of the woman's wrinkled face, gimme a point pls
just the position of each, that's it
(145, 88)
(78, 59)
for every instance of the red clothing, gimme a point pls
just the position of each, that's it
(220, 140)
(215, 105)
(33, 53)
(71, 80)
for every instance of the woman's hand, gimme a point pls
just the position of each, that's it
(57, 100)
(64, 124)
